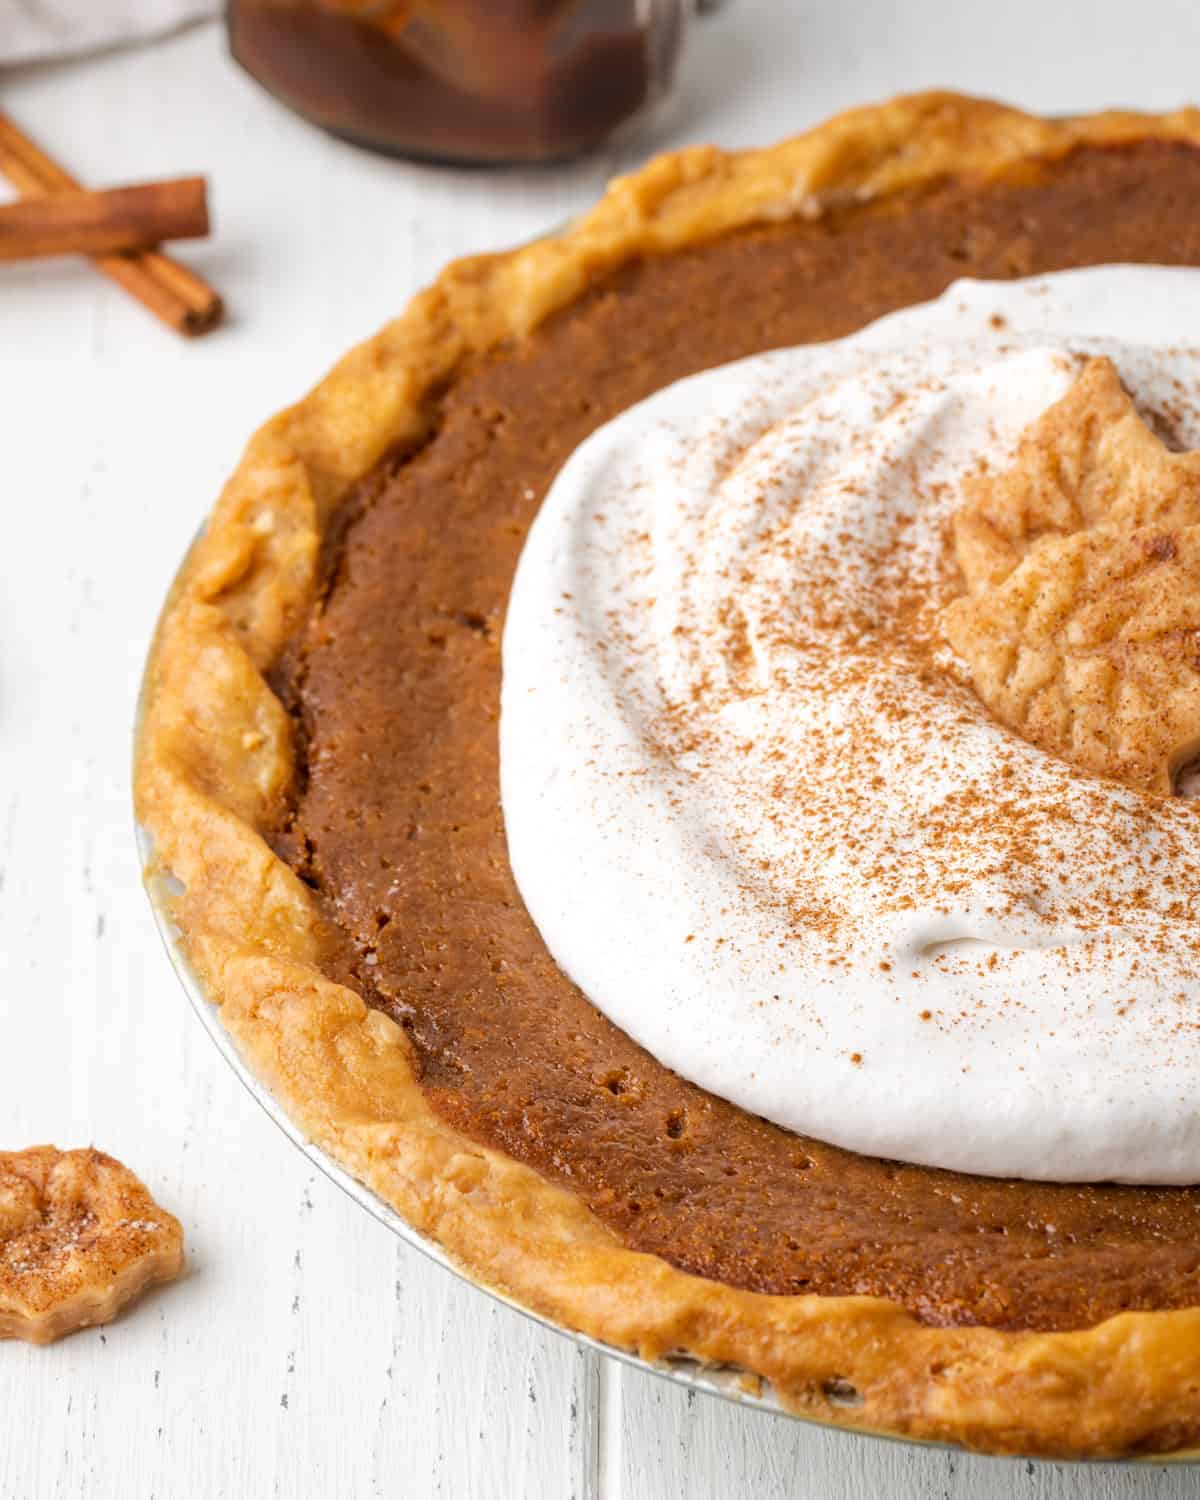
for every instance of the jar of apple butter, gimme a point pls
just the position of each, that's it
(464, 80)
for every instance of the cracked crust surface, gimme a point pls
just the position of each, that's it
(215, 759)
(80, 1236)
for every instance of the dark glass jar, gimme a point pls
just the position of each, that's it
(463, 80)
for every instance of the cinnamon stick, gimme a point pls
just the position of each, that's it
(127, 218)
(174, 294)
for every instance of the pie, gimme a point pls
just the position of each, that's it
(317, 766)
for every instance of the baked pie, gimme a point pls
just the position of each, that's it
(822, 1000)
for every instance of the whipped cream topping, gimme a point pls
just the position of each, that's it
(762, 822)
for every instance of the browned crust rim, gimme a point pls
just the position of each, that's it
(214, 759)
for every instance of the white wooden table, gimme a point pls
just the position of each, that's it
(307, 1352)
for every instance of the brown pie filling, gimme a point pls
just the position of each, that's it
(394, 684)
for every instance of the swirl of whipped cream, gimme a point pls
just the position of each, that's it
(768, 831)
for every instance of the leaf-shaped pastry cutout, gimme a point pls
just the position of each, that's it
(80, 1237)
(1089, 458)
(1081, 625)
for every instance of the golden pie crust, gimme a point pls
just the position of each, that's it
(215, 758)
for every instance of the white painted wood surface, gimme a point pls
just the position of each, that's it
(308, 1353)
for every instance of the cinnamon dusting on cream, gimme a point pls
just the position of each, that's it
(749, 729)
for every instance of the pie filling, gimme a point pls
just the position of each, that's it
(395, 685)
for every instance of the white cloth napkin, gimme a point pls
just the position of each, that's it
(33, 29)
